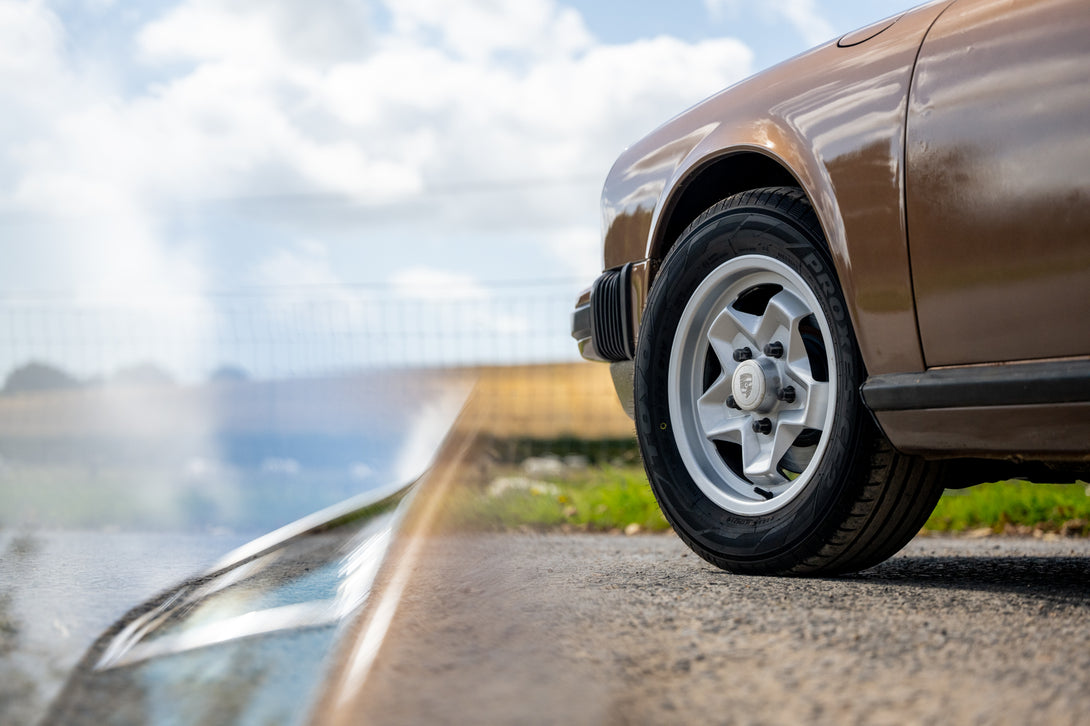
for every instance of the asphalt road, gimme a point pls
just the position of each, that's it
(614, 630)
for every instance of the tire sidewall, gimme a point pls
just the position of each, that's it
(792, 531)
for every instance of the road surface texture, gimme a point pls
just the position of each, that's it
(541, 629)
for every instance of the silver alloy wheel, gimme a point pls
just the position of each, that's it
(750, 444)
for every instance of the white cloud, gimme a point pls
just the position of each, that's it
(278, 99)
(579, 249)
(432, 284)
(453, 92)
(810, 24)
(305, 265)
(257, 32)
(802, 15)
(98, 241)
(30, 38)
(456, 309)
(303, 276)
(480, 29)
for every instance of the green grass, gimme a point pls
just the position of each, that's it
(593, 499)
(613, 497)
(1014, 506)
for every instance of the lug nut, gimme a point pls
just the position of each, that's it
(787, 395)
(742, 354)
(774, 349)
(731, 403)
(762, 426)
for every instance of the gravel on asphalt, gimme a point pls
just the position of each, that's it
(628, 630)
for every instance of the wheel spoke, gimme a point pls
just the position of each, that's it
(760, 457)
(799, 368)
(725, 428)
(810, 413)
(781, 322)
(817, 406)
(730, 329)
(716, 395)
(717, 421)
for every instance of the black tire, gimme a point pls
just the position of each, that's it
(822, 492)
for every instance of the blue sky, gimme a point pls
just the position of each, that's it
(181, 148)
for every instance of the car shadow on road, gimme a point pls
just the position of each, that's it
(1047, 576)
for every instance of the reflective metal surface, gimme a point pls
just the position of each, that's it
(261, 631)
(973, 160)
(342, 698)
(834, 117)
(285, 493)
(997, 184)
(867, 32)
(1056, 431)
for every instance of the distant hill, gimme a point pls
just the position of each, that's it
(38, 376)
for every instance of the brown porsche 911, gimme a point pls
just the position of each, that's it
(854, 279)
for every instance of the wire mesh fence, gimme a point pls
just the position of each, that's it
(294, 331)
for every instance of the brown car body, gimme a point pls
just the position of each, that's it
(946, 153)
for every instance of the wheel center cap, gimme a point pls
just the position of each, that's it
(748, 385)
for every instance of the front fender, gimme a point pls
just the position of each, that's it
(834, 120)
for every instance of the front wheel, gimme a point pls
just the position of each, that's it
(756, 443)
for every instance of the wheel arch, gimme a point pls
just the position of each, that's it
(730, 173)
(728, 161)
